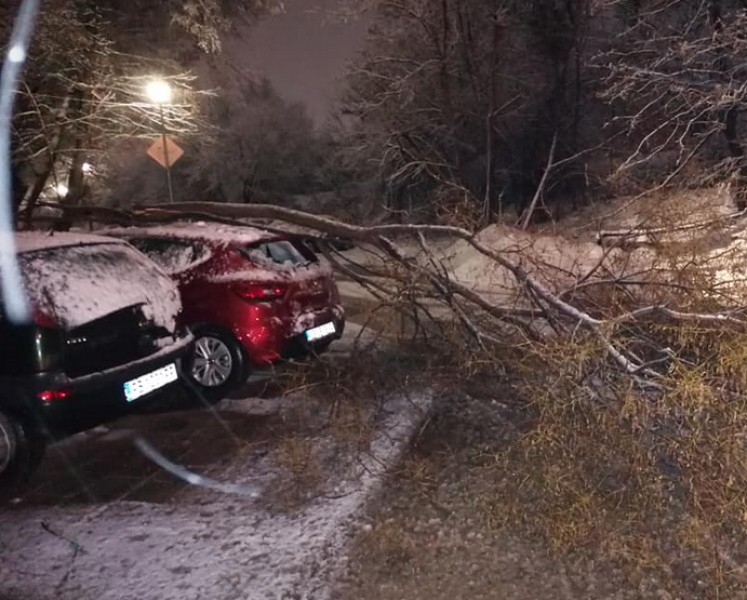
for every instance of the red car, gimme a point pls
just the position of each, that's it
(250, 297)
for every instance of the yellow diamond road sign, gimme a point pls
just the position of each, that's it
(165, 155)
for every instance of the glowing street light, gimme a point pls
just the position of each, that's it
(86, 167)
(159, 92)
(62, 190)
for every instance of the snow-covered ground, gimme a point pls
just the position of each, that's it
(196, 542)
(218, 550)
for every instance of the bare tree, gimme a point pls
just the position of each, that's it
(465, 97)
(84, 87)
(676, 78)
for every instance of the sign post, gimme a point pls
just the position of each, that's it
(165, 152)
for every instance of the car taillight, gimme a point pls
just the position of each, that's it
(259, 292)
(52, 395)
(42, 319)
(49, 342)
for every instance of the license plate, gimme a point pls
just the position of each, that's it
(320, 332)
(149, 383)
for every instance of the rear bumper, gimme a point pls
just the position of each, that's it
(298, 346)
(97, 398)
(286, 339)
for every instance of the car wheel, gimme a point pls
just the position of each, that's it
(21, 451)
(216, 366)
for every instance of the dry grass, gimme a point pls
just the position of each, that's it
(334, 407)
(418, 470)
(300, 460)
(387, 545)
(655, 480)
(297, 457)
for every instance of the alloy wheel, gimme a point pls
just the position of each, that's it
(212, 362)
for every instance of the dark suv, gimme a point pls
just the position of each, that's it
(102, 340)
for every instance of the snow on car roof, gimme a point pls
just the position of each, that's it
(33, 241)
(87, 277)
(211, 232)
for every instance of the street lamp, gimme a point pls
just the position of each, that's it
(159, 92)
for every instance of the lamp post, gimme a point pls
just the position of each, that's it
(159, 92)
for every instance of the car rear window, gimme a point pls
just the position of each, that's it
(173, 256)
(78, 284)
(280, 252)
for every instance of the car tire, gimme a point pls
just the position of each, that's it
(21, 452)
(229, 369)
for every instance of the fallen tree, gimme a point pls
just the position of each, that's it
(633, 370)
(536, 302)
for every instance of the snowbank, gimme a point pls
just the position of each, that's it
(665, 208)
(555, 261)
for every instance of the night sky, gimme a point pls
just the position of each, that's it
(302, 52)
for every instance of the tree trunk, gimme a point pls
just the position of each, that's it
(17, 187)
(729, 117)
(33, 193)
(53, 146)
(466, 44)
(489, 161)
(446, 91)
(76, 183)
(731, 132)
